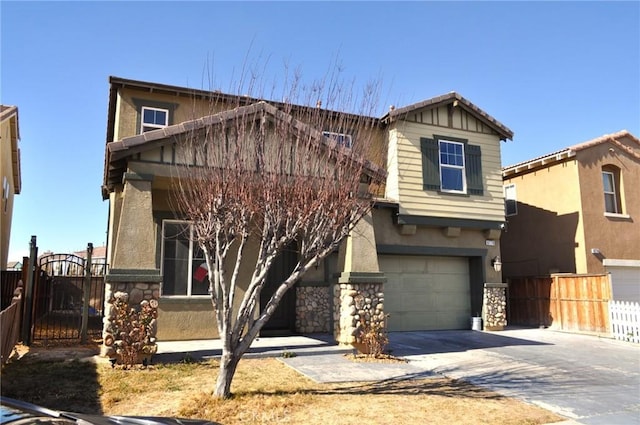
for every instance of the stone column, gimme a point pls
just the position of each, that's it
(133, 262)
(494, 306)
(358, 296)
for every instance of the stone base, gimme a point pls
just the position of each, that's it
(313, 311)
(494, 328)
(356, 304)
(494, 306)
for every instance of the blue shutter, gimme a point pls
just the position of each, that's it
(473, 169)
(430, 164)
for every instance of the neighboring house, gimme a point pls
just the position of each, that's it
(14, 265)
(98, 259)
(577, 210)
(431, 242)
(73, 264)
(10, 176)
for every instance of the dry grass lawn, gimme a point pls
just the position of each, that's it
(265, 392)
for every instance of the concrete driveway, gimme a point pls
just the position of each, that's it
(589, 379)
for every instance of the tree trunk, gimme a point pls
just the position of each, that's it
(228, 365)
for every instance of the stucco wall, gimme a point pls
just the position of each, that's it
(561, 215)
(617, 237)
(434, 239)
(545, 236)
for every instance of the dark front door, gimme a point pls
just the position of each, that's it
(282, 322)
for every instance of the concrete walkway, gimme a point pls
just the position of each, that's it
(314, 344)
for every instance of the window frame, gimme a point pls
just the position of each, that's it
(336, 136)
(462, 168)
(614, 174)
(508, 199)
(152, 126)
(191, 259)
(6, 190)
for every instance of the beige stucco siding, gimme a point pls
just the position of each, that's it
(546, 235)
(183, 318)
(387, 233)
(414, 200)
(183, 108)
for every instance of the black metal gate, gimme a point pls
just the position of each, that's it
(58, 295)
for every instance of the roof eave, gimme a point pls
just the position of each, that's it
(453, 97)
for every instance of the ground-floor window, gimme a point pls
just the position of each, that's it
(183, 265)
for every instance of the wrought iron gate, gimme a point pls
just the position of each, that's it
(58, 298)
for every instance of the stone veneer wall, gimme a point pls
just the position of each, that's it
(495, 306)
(353, 302)
(137, 291)
(313, 311)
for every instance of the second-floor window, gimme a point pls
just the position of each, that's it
(451, 165)
(342, 139)
(5, 194)
(510, 200)
(153, 118)
(611, 186)
(452, 178)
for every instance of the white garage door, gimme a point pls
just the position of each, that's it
(625, 283)
(426, 293)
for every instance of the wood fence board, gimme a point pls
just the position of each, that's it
(567, 302)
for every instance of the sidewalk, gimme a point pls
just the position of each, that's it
(315, 344)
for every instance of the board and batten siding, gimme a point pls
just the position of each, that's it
(391, 187)
(414, 200)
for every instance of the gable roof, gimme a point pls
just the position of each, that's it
(118, 151)
(457, 100)
(240, 100)
(569, 152)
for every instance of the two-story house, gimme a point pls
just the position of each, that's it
(576, 211)
(9, 174)
(431, 243)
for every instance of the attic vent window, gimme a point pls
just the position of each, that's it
(342, 139)
(154, 118)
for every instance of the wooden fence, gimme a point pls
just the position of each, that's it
(625, 320)
(564, 301)
(8, 283)
(10, 321)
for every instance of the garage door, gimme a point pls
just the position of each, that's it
(426, 293)
(625, 283)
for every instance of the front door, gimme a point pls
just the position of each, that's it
(282, 322)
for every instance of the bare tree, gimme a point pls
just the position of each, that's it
(264, 175)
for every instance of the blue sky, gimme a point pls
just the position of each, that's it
(556, 73)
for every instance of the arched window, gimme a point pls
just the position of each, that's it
(611, 186)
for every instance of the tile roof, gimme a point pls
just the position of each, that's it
(451, 97)
(130, 145)
(571, 151)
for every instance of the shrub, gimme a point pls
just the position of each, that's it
(373, 336)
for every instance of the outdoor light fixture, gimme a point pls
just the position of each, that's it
(496, 263)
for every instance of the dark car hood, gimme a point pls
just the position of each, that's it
(19, 412)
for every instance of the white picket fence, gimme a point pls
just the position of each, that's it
(625, 320)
